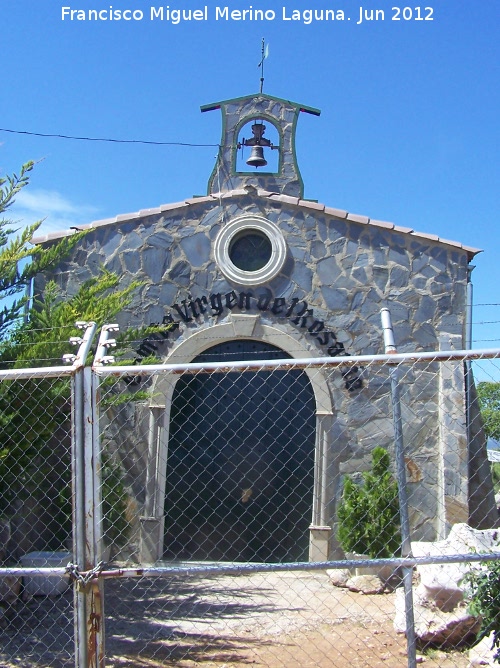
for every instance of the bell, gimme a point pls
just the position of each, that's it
(256, 158)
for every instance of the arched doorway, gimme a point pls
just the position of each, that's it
(240, 468)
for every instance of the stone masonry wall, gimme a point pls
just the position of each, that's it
(346, 272)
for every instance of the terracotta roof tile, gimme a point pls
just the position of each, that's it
(275, 197)
(317, 206)
(403, 230)
(382, 223)
(148, 212)
(286, 199)
(450, 243)
(237, 192)
(133, 216)
(338, 213)
(424, 235)
(264, 193)
(100, 223)
(356, 218)
(171, 207)
(199, 200)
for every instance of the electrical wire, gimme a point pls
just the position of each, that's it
(117, 141)
(108, 139)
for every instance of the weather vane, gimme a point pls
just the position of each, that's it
(265, 53)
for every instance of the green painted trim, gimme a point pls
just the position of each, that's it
(218, 160)
(223, 107)
(301, 107)
(294, 154)
(209, 107)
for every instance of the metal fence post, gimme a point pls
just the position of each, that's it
(390, 348)
(88, 615)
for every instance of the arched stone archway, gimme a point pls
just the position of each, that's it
(237, 327)
(240, 465)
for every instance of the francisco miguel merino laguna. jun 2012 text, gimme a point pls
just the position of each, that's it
(176, 16)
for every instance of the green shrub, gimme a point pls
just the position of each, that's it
(368, 514)
(495, 476)
(484, 592)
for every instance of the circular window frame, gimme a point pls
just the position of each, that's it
(236, 228)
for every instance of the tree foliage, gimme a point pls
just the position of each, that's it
(368, 514)
(44, 338)
(35, 423)
(484, 590)
(35, 412)
(20, 261)
(488, 394)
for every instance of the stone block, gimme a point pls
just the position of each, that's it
(160, 239)
(339, 576)
(440, 585)
(196, 248)
(336, 300)
(434, 626)
(366, 584)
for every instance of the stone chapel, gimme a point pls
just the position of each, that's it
(252, 270)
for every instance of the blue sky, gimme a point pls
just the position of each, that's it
(409, 129)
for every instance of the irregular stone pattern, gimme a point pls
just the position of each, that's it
(346, 271)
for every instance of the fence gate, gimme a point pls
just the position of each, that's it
(229, 473)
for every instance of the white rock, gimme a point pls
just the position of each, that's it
(482, 654)
(434, 626)
(440, 584)
(366, 584)
(339, 576)
(440, 610)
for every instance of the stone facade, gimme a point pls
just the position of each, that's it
(338, 270)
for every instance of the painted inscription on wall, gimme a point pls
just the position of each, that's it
(294, 309)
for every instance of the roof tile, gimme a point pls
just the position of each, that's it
(423, 235)
(149, 212)
(382, 223)
(317, 206)
(171, 207)
(265, 193)
(100, 223)
(286, 199)
(356, 218)
(132, 216)
(276, 197)
(404, 230)
(199, 200)
(338, 213)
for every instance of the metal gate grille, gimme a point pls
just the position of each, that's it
(203, 495)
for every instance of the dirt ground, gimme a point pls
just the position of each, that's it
(289, 620)
(294, 620)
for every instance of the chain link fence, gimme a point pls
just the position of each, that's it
(35, 518)
(244, 509)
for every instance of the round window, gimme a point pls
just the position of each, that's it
(250, 250)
